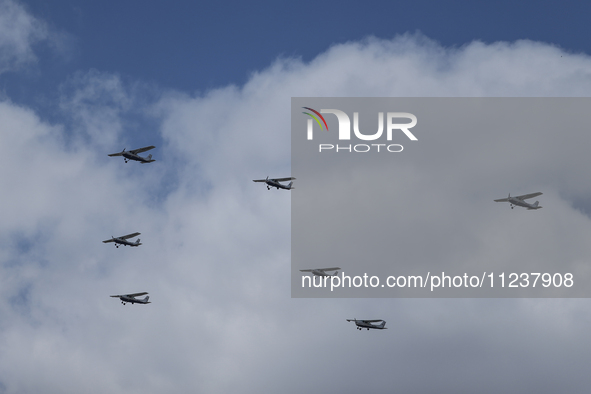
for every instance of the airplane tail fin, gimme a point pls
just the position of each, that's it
(336, 273)
(147, 159)
(383, 324)
(290, 186)
(535, 205)
(146, 299)
(138, 242)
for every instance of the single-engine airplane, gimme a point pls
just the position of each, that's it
(275, 183)
(131, 298)
(519, 201)
(367, 324)
(123, 240)
(133, 155)
(322, 271)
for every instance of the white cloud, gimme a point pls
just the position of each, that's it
(96, 103)
(215, 257)
(19, 33)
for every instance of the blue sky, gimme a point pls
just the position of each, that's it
(210, 85)
(196, 46)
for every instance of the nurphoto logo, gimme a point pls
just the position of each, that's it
(344, 131)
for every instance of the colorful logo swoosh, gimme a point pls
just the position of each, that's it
(315, 118)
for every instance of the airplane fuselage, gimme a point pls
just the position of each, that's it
(519, 202)
(322, 273)
(125, 242)
(367, 325)
(278, 185)
(133, 300)
(131, 156)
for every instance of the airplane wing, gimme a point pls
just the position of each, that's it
(130, 295)
(305, 270)
(130, 236)
(136, 294)
(109, 240)
(328, 269)
(371, 321)
(283, 179)
(502, 200)
(259, 180)
(526, 196)
(116, 154)
(140, 150)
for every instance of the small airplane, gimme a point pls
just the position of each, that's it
(322, 271)
(367, 324)
(275, 183)
(131, 298)
(123, 240)
(519, 201)
(133, 155)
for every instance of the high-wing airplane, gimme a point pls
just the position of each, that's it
(519, 201)
(133, 155)
(131, 298)
(322, 271)
(367, 324)
(123, 240)
(275, 183)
